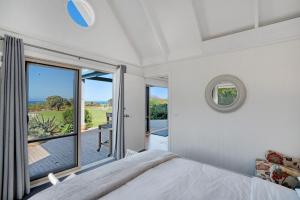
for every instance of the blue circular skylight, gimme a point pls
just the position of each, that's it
(81, 12)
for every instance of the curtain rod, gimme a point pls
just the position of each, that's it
(67, 54)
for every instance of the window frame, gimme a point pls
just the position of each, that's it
(77, 115)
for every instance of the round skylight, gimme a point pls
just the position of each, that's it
(81, 12)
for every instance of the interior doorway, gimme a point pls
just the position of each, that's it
(157, 132)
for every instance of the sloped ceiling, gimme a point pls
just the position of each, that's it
(167, 30)
(48, 20)
(147, 32)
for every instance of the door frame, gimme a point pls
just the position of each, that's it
(79, 67)
(77, 116)
(170, 108)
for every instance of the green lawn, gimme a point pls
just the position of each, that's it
(52, 113)
(98, 113)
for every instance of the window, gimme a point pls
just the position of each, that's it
(52, 119)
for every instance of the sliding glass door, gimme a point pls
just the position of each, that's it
(52, 119)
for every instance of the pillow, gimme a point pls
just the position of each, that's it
(282, 159)
(284, 176)
(263, 169)
(274, 157)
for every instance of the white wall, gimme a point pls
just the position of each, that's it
(269, 119)
(156, 82)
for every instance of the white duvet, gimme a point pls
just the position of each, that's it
(186, 180)
(156, 175)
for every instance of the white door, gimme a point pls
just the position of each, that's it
(134, 94)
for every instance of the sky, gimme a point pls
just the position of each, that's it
(50, 81)
(159, 92)
(97, 90)
(44, 82)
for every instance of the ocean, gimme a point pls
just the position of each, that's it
(32, 102)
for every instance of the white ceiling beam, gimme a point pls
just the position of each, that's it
(156, 28)
(196, 5)
(256, 13)
(115, 12)
(262, 36)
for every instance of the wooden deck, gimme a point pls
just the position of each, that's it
(59, 153)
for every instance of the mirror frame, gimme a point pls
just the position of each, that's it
(238, 102)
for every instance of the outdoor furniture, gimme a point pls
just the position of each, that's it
(102, 128)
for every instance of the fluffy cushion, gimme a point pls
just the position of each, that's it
(284, 176)
(282, 159)
(263, 169)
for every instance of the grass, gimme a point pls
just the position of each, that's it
(98, 114)
(52, 113)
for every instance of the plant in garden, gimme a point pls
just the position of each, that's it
(41, 127)
(159, 111)
(88, 119)
(68, 121)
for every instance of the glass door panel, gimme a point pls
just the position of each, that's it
(52, 119)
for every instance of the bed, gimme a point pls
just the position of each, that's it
(158, 175)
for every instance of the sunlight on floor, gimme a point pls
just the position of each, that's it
(156, 142)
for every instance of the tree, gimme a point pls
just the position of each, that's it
(55, 102)
(68, 103)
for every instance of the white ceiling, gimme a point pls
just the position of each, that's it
(147, 32)
(47, 20)
(272, 11)
(166, 30)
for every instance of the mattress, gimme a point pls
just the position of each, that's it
(157, 175)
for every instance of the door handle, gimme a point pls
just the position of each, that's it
(126, 116)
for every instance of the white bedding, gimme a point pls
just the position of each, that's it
(163, 176)
(184, 179)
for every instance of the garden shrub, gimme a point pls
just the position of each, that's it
(67, 128)
(159, 111)
(88, 119)
(41, 127)
(68, 121)
(68, 116)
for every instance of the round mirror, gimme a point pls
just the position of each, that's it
(225, 93)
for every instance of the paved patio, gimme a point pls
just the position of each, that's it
(156, 125)
(154, 140)
(59, 153)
